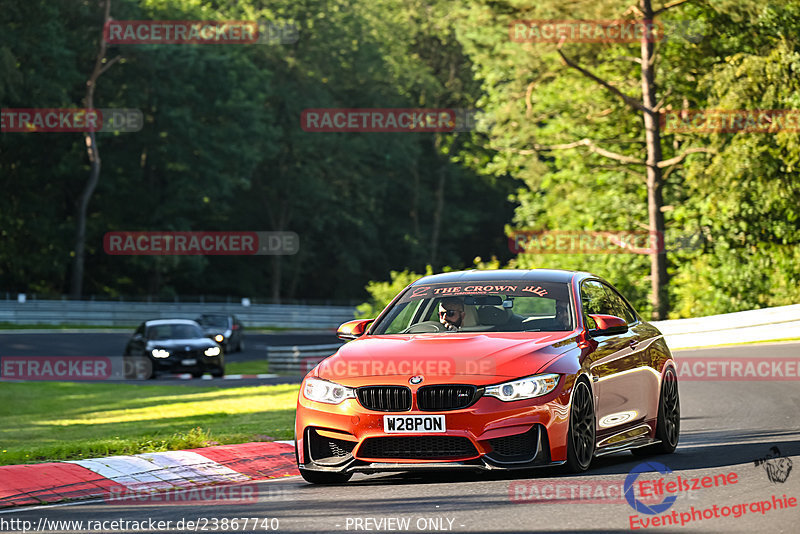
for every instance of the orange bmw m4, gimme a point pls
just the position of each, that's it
(505, 369)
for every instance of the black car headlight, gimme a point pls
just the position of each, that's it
(212, 351)
(524, 388)
(160, 353)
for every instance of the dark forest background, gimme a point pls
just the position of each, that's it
(222, 148)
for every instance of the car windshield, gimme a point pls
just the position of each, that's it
(496, 306)
(174, 331)
(214, 320)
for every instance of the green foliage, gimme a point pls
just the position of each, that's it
(382, 293)
(742, 201)
(222, 148)
(745, 201)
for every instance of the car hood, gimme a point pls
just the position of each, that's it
(477, 358)
(181, 344)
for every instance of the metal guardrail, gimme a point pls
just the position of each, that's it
(739, 327)
(298, 359)
(782, 322)
(112, 313)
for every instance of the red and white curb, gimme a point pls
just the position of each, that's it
(158, 471)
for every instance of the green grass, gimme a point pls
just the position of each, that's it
(247, 368)
(46, 421)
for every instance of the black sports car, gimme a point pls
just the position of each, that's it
(177, 346)
(227, 330)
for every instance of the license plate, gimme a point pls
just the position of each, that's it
(401, 424)
(189, 361)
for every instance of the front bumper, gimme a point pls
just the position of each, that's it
(175, 363)
(488, 435)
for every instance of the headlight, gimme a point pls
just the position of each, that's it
(160, 353)
(212, 351)
(218, 338)
(328, 392)
(525, 388)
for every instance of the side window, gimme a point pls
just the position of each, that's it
(402, 318)
(594, 300)
(620, 307)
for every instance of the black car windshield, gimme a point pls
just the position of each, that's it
(496, 306)
(213, 320)
(174, 331)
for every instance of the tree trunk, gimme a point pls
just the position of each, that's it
(93, 151)
(652, 126)
(277, 271)
(279, 222)
(438, 214)
(83, 207)
(414, 211)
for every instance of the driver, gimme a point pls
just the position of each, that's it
(451, 313)
(562, 314)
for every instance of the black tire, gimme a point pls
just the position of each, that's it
(581, 436)
(197, 374)
(131, 367)
(218, 373)
(668, 425)
(321, 477)
(128, 369)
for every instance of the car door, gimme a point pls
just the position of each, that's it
(642, 339)
(614, 367)
(137, 342)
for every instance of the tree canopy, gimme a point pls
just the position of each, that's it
(222, 147)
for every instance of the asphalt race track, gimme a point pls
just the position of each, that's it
(726, 427)
(113, 344)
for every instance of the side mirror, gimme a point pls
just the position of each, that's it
(353, 329)
(608, 325)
